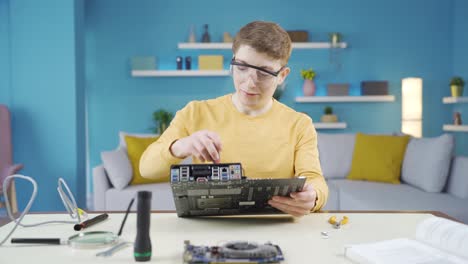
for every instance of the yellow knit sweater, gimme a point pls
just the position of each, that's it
(280, 143)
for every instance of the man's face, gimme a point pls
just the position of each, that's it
(256, 87)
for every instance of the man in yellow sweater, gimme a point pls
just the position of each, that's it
(268, 138)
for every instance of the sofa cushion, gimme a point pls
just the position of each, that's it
(335, 149)
(427, 162)
(362, 195)
(378, 158)
(118, 167)
(458, 180)
(135, 148)
(122, 135)
(161, 199)
(333, 201)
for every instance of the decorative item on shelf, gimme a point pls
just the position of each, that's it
(335, 39)
(335, 51)
(374, 88)
(162, 118)
(188, 63)
(143, 63)
(457, 118)
(328, 116)
(227, 38)
(298, 35)
(210, 62)
(411, 106)
(456, 86)
(192, 38)
(206, 36)
(179, 62)
(309, 85)
(338, 89)
(279, 91)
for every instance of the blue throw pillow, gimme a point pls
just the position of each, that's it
(336, 154)
(458, 180)
(427, 162)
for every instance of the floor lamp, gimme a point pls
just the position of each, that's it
(411, 106)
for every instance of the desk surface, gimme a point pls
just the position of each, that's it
(300, 239)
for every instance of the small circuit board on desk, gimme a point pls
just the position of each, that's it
(233, 252)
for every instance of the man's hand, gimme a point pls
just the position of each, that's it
(204, 145)
(298, 204)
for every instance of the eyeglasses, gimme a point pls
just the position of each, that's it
(262, 74)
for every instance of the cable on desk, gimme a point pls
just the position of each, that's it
(68, 201)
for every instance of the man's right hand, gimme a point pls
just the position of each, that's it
(204, 145)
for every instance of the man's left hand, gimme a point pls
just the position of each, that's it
(298, 204)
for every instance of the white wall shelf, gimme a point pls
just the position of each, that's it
(179, 73)
(295, 45)
(343, 99)
(455, 100)
(317, 45)
(337, 125)
(456, 128)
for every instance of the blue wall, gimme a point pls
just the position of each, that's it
(47, 97)
(389, 40)
(57, 48)
(4, 53)
(460, 65)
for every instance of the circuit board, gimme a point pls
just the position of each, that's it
(223, 190)
(233, 252)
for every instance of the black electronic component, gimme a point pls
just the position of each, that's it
(233, 252)
(210, 172)
(142, 247)
(220, 189)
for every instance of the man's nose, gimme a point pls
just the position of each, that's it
(251, 81)
(252, 76)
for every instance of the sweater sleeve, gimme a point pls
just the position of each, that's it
(307, 161)
(156, 160)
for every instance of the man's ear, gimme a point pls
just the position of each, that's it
(230, 65)
(283, 74)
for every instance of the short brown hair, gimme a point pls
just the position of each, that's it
(265, 37)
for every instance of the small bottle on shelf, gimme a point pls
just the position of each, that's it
(179, 62)
(188, 63)
(457, 118)
(192, 38)
(206, 36)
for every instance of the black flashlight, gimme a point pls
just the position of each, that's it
(142, 247)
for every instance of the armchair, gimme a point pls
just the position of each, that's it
(7, 167)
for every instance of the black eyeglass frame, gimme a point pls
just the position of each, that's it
(234, 62)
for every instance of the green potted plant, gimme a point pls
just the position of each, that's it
(309, 84)
(328, 116)
(162, 119)
(456, 86)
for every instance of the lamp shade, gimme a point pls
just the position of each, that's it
(411, 106)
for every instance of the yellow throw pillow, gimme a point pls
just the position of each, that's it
(378, 158)
(135, 148)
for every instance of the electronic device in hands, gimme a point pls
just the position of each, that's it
(221, 189)
(233, 252)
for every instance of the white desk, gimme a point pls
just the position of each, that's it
(300, 239)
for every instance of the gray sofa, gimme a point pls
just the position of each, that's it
(432, 179)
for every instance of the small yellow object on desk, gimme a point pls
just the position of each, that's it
(337, 224)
